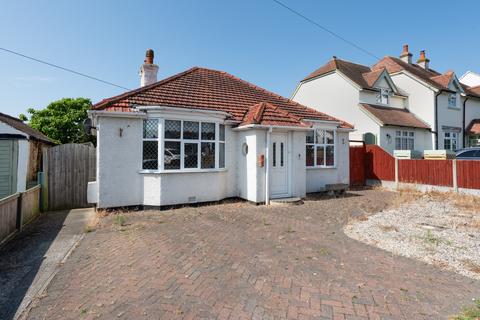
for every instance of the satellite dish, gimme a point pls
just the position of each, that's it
(87, 126)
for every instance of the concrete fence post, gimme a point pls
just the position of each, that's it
(396, 173)
(454, 174)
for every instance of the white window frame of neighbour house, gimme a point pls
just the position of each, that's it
(450, 140)
(404, 140)
(452, 100)
(383, 96)
(319, 145)
(218, 141)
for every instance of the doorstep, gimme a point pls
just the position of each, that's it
(286, 201)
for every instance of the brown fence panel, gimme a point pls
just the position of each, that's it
(432, 172)
(379, 164)
(30, 204)
(68, 169)
(8, 216)
(468, 174)
(357, 165)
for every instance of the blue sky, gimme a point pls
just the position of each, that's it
(256, 40)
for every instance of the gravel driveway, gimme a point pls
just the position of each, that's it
(239, 261)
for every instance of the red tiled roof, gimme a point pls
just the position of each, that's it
(474, 90)
(394, 116)
(474, 127)
(372, 76)
(200, 88)
(267, 114)
(23, 127)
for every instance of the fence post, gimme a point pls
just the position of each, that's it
(396, 173)
(454, 173)
(19, 212)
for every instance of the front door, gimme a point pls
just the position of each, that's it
(279, 166)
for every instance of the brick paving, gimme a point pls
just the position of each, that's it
(239, 261)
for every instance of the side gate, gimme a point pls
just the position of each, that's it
(357, 165)
(67, 170)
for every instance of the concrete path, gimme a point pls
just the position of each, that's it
(30, 260)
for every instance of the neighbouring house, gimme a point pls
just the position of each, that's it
(20, 155)
(472, 80)
(204, 135)
(395, 103)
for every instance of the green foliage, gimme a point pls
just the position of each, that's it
(470, 313)
(62, 120)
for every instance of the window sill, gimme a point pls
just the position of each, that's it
(182, 171)
(454, 108)
(321, 167)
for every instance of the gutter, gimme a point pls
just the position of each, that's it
(436, 117)
(464, 135)
(267, 167)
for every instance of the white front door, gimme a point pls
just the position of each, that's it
(279, 166)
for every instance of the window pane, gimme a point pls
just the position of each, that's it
(405, 133)
(446, 143)
(208, 155)
(398, 144)
(404, 144)
(172, 129)
(309, 156)
(172, 155)
(411, 134)
(221, 155)
(329, 137)
(150, 128)
(320, 156)
(274, 152)
(208, 131)
(410, 144)
(190, 153)
(190, 130)
(150, 155)
(222, 133)
(310, 136)
(398, 133)
(330, 156)
(320, 136)
(281, 154)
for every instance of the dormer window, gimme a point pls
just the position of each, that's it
(383, 96)
(452, 100)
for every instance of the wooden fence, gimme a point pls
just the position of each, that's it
(67, 169)
(17, 210)
(380, 165)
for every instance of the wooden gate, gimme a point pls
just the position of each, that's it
(68, 168)
(357, 165)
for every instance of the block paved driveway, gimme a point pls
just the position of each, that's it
(239, 261)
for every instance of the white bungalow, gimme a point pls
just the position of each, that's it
(204, 135)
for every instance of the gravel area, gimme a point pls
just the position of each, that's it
(429, 229)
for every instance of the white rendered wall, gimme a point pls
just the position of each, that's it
(336, 96)
(247, 165)
(451, 117)
(423, 140)
(317, 178)
(119, 160)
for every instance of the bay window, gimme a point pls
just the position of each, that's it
(320, 148)
(186, 145)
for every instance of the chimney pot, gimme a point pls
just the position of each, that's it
(149, 70)
(423, 61)
(406, 56)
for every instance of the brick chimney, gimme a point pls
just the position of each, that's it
(423, 61)
(406, 56)
(148, 70)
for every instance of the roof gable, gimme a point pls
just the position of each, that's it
(21, 126)
(206, 89)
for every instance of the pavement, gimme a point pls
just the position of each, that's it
(239, 261)
(30, 260)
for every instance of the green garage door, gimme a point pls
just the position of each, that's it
(8, 167)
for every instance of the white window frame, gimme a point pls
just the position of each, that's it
(453, 100)
(452, 137)
(383, 96)
(323, 145)
(152, 139)
(161, 146)
(404, 136)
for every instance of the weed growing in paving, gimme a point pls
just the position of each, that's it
(430, 238)
(120, 220)
(469, 313)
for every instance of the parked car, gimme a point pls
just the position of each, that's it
(469, 154)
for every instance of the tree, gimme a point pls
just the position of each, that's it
(62, 120)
